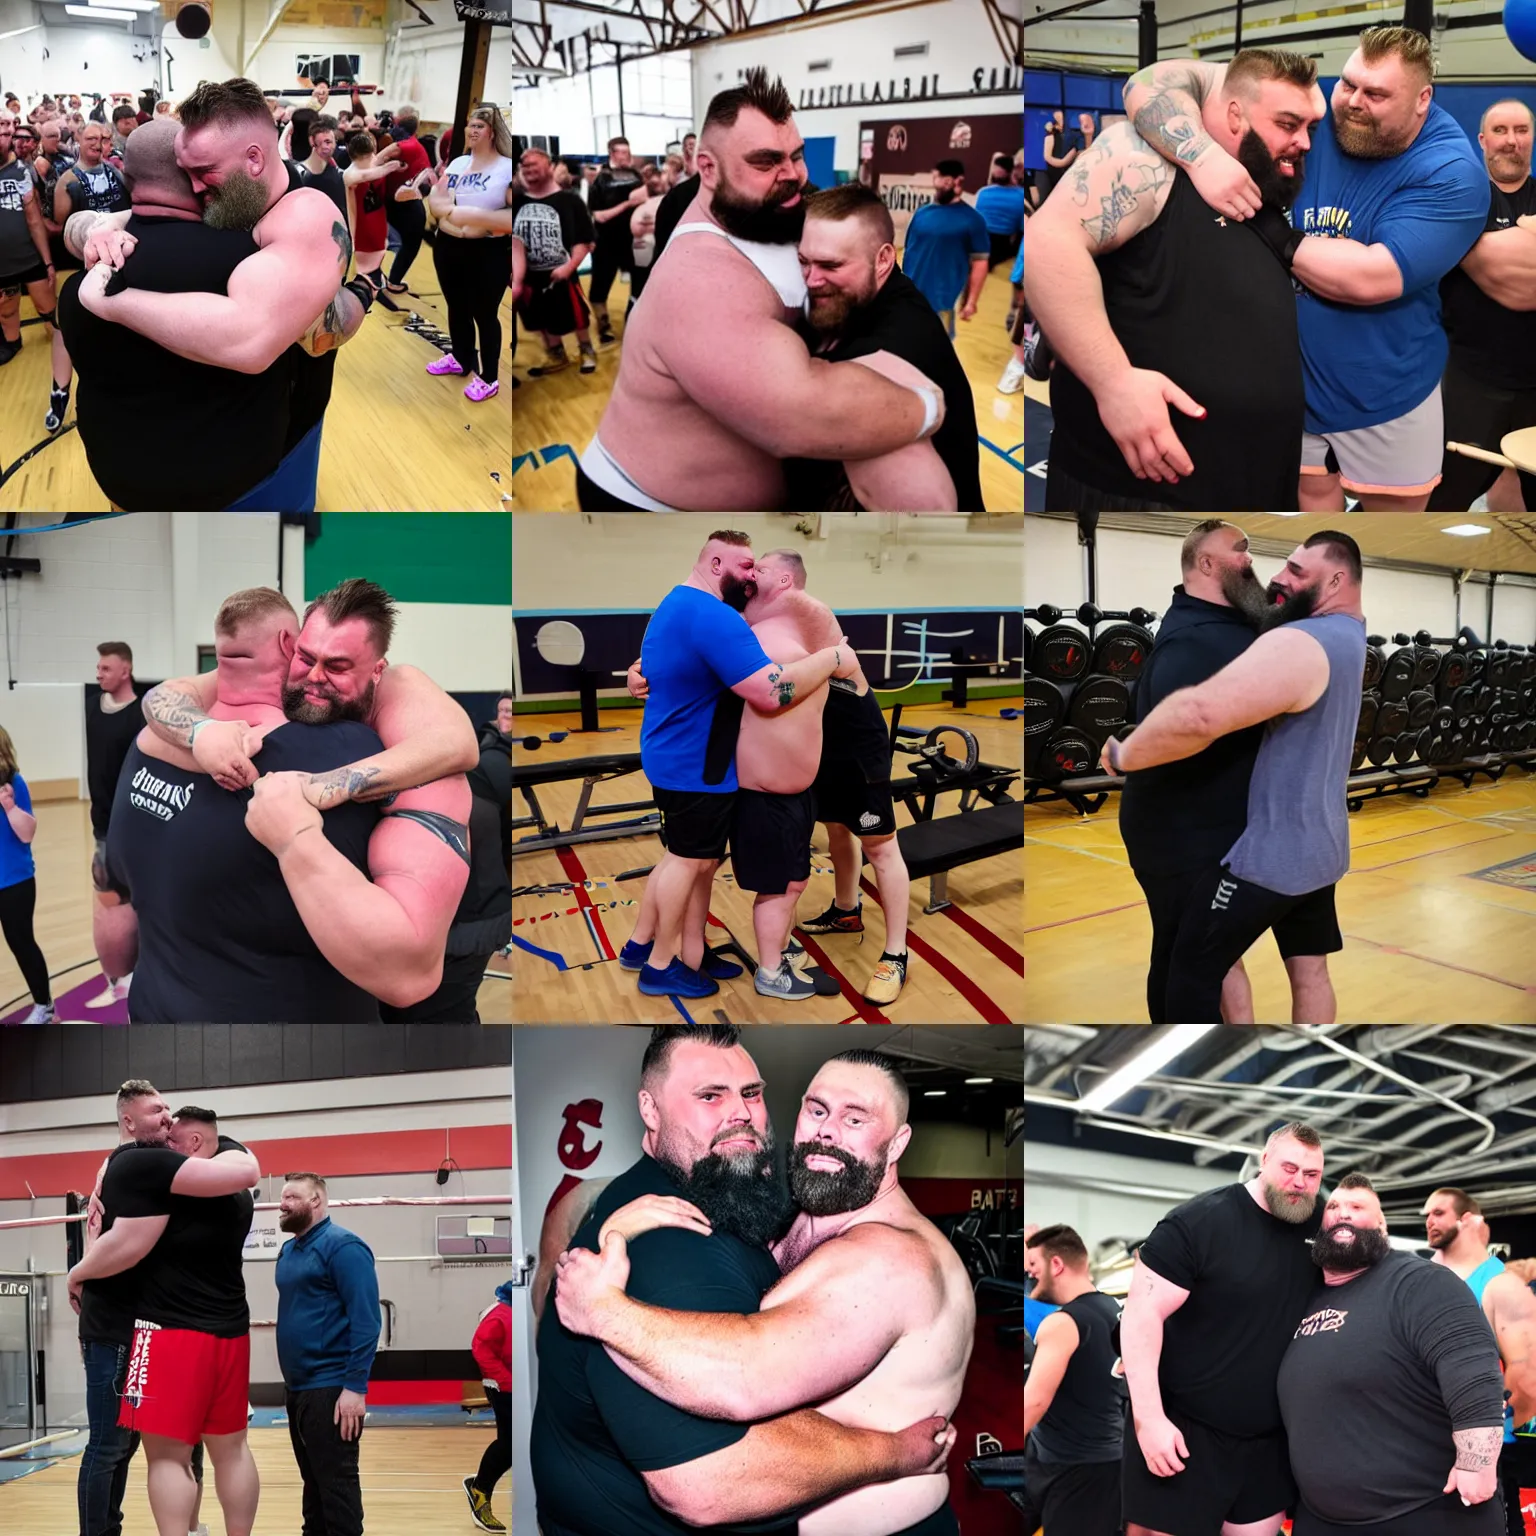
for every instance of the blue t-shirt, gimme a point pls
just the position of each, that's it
(1001, 208)
(15, 856)
(941, 239)
(696, 649)
(1368, 364)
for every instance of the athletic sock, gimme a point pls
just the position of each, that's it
(58, 404)
(887, 955)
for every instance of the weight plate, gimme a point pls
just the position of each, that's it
(1098, 705)
(1121, 650)
(1068, 754)
(1391, 718)
(1453, 673)
(1406, 748)
(1358, 755)
(1380, 749)
(1029, 640)
(1421, 708)
(1375, 665)
(1044, 709)
(1061, 653)
(1369, 704)
(1498, 665)
(1476, 661)
(1426, 666)
(1397, 679)
(1444, 720)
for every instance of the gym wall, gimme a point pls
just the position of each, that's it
(450, 574)
(582, 110)
(1102, 1194)
(422, 66)
(389, 1139)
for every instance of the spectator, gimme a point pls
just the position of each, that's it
(403, 206)
(947, 247)
(124, 121)
(18, 882)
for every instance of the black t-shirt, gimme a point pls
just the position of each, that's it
(594, 1430)
(109, 1307)
(670, 214)
(1186, 815)
(1086, 1419)
(329, 181)
(1249, 1276)
(1388, 1365)
(1187, 296)
(220, 939)
(550, 227)
(901, 321)
(311, 377)
(1492, 343)
(204, 465)
(194, 1275)
(611, 188)
(107, 740)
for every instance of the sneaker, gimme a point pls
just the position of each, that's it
(607, 338)
(786, 982)
(717, 966)
(633, 955)
(114, 992)
(889, 978)
(676, 980)
(588, 360)
(1012, 380)
(835, 920)
(8, 350)
(58, 404)
(478, 390)
(42, 1013)
(480, 1508)
(1038, 356)
(450, 364)
(554, 362)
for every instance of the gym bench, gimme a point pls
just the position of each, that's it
(592, 771)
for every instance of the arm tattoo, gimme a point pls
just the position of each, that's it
(454, 833)
(786, 692)
(348, 784)
(1477, 1449)
(343, 244)
(1132, 182)
(177, 711)
(336, 324)
(1170, 123)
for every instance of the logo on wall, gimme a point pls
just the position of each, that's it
(960, 136)
(897, 138)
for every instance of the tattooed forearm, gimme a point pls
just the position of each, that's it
(1170, 123)
(343, 244)
(342, 784)
(1138, 179)
(171, 713)
(786, 692)
(1477, 1449)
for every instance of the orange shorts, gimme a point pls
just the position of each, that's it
(185, 1385)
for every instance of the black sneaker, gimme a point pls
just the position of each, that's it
(8, 350)
(556, 362)
(607, 338)
(835, 920)
(786, 982)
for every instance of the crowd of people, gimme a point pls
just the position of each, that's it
(739, 367)
(1232, 200)
(209, 197)
(1278, 1357)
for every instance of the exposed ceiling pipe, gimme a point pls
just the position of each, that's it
(1399, 1167)
(1106, 1121)
(1323, 1115)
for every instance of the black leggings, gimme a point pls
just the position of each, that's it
(474, 275)
(16, 906)
(410, 223)
(498, 1454)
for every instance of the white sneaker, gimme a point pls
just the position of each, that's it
(1012, 380)
(115, 992)
(42, 1013)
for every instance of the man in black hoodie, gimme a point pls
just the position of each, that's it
(1178, 819)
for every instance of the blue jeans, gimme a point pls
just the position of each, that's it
(104, 1464)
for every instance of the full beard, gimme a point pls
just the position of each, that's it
(1367, 139)
(1287, 1208)
(1277, 190)
(741, 1195)
(299, 709)
(238, 203)
(818, 1193)
(829, 311)
(736, 593)
(1245, 592)
(1299, 605)
(764, 223)
(1366, 1246)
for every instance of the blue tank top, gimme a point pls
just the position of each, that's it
(1304, 763)
(1478, 1280)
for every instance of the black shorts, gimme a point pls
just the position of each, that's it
(63, 260)
(941, 1522)
(609, 258)
(694, 825)
(1446, 1516)
(36, 273)
(1224, 917)
(1074, 495)
(1071, 1498)
(1479, 413)
(771, 840)
(1224, 1478)
(591, 497)
(557, 309)
(853, 782)
(1004, 248)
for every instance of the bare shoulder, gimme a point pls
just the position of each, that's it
(1510, 1296)
(303, 216)
(712, 272)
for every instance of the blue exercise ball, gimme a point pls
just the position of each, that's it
(1520, 26)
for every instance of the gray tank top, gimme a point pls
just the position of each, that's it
(1297, 838)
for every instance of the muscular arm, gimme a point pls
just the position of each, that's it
(273, 298)
(33, 210)
(1163, 103)
(1348, 272)
(1150, 1302)
(387, 934)
(910, 479)
(130, 1238)
(1281, 673)
(1055, 1340)
(978, 279)
(174, 707)
(785, 401)
(1511, 1311)
(207, 1178)
(79, 227)
(555, 1235)
(776, 687)
(115, 933)
(1477, 1449)
(1059, 162)
(1503, 265)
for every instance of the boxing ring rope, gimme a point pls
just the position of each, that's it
(52, 1221)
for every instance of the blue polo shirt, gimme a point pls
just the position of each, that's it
(1367, 364)
(327, 1309)
(941, 239)
(696, 649)
(1001, 208)
(16, 856)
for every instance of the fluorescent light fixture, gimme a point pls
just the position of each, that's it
(1466, 530)
(1153, 1056)
(971, 1082)
(124, 5)
(934, 1093)
(98, 13)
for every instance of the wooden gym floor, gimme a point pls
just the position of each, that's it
(396, 439)
(563, 412)
(965, 967)
(1425, 941)
(62, 852)
(411, 1478)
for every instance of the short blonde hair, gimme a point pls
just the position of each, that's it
(241, 608)
(1411, 46)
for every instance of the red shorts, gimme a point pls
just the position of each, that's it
(185, 1385)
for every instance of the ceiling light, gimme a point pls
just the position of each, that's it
(1153, 1056)
(99, 13)
(1467, 530)
(123, 5)
(934, 1093)
(973, 1081)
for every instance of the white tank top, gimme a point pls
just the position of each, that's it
(780, 264)
(473, 188)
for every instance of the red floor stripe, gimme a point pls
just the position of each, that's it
(1065, 922)
(989, 1011)
(867, 1012)
(571, 864)
(983, 936)
(1445, 965)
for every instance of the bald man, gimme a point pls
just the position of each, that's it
(715, 387)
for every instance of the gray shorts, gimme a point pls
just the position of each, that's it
(1401, 457)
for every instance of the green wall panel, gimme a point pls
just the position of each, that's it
(418, 557)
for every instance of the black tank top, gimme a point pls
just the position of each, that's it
(1087, 1414)
(1204, 301)
(312, 376)
(46, 185)
(101, 189)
